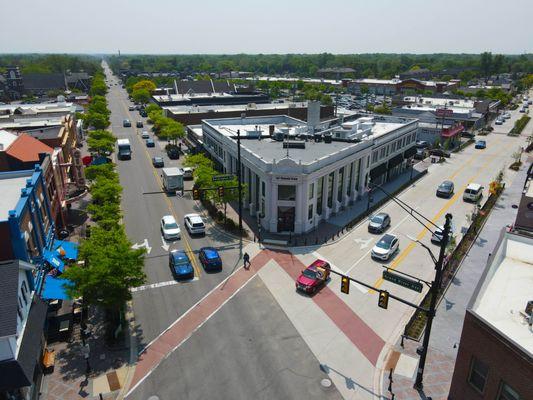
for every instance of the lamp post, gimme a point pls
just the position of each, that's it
(239, 178)
(435, 287)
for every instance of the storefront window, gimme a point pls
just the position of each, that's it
(319, 195)
(287, 192)
(311, 190)
(330, 189)
(340, 184)
(350, 179)
(310, 212)
(357, 166)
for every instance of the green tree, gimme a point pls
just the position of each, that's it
(101, 142)
(172, 131)
(198, 160)
(141, 96)
(144, 85)
(112, 268)
(103, 170)
(96, 120)
(105, 191)
(485, 63)
(382, 109)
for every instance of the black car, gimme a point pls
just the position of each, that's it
(440, 153)
(445, 189)
(143, 113)
(173, 152)
(126, 123)
(139, 124)
(158, 162)
(378, 223)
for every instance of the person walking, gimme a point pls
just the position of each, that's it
(246, 259)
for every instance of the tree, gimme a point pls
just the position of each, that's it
(96, 120)
(485, 63)
(382, 109)
(112, 268)
(101, 142)
(198, 160)
(103, 170)
(152, 107)
(172, 131)
(105, 191)
(144, 85)
(141, 96)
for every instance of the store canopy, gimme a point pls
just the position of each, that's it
(452, 131)
(394, 161)
(52, 258)
(54, 288)
(70, 249)
(410, 152)
(379, 170)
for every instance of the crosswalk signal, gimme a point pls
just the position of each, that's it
(345, 285)
(196, 194)
(383, 300)
(221, 191)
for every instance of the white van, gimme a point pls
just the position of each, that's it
(473, 192)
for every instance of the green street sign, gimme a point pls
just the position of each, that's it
(218, 178)
(402, 281)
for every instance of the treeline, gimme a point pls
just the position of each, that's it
(50, 63)
(463, 66)
(111, 267)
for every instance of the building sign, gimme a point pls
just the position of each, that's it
(443, 112)
(287, 178)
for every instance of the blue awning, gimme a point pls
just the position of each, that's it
(70, 248)
(53, 259)
(54, 288)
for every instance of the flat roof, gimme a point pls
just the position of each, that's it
(506, 289)
(440, 101)
(238, 107)
(10, 187)
(21, 123)
(6, 139)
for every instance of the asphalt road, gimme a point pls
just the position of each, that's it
(248, 350)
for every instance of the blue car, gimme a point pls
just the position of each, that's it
(150, 143)
(481, 144)
(210, 259)
(180, 265)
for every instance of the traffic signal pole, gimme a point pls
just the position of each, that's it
(239, 178)
(435, 287)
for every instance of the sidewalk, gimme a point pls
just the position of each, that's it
(448, 324)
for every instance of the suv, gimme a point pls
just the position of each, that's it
(139, 124)
(473, 192)
(126, 123)
(194, 224)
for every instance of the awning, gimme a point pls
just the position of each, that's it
(396, 160)
(452, 131)
(52, 258)
(379, 170)
(70, 249)
(54, 288)
(410, 152)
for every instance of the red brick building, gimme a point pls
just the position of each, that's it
(495, 357)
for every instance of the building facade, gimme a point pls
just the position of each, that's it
(298, 175)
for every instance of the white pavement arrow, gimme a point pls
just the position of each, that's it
(142, 244)
(364, 242)
(165, 244)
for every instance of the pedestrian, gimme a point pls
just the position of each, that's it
(246, 259)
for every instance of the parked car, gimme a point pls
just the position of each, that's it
(173, 152)
(180, 265)
(440, 153)
(187, 173)
(473, 192)
(158, 162)
(126, 123)
(421, 144)
(481, 144)
(150, 143)
(445, 189)
(210, 259)
(145, 135)
(379, 222)
(131, 108)
(143, 113)
(498, 122)
(194, 224)
(139, 124)
(386, 247)
(313, 277)
(420, 154)
(170, 229)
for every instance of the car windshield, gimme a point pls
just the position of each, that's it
(171, 225)
(445, 185)
(382, 244)
(377, 219)
(309, 273)
(182, 261)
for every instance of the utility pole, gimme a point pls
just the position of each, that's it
(239, 178)
(435, 287)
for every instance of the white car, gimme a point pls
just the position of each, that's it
(187, 173)
(170, 228)
(194, 224)
(145, 135)
(386, 247)
(499, 122)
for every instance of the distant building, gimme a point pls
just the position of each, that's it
(298, 173)
(421, 73)
(495, 356)
(37, 84)
(390, 87)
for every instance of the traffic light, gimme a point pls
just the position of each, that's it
(196, 194)
(221, 191)
(383, 300)
(345, 285)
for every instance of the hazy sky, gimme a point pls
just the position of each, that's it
(268, 26)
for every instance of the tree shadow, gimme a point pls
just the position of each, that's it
(350, 383)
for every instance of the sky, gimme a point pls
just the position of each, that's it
(267, 26)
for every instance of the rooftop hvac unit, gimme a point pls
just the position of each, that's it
(294, 144)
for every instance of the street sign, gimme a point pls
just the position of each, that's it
(218, 178)
(402, 281)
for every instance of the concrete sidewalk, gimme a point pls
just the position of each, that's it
(448, 324)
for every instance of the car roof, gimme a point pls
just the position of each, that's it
(317, 264)
(381, 214)
(387, 238)
(194, 217)
(446, 183)
(168, 219)
(474, 186)
(210, 252)
(156, 158)
(179, 255)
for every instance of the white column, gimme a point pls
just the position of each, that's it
(301, 207)
(253, 200)
(336, 203)
(272, 204)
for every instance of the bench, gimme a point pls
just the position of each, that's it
(49, 358)
(274, 242)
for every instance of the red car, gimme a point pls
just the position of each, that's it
(313, 277)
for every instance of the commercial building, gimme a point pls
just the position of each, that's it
(495, 356)
(298, 174)
(389, 87)
(191, 115)
(22, 318)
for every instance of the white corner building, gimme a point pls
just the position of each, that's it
(298, 174)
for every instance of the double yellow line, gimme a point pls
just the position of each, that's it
(445, 208)
(184, 240)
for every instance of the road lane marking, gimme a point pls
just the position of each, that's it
(446, 206)
(161, 284)
(187, 246)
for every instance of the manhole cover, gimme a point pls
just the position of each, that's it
(325, 383)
